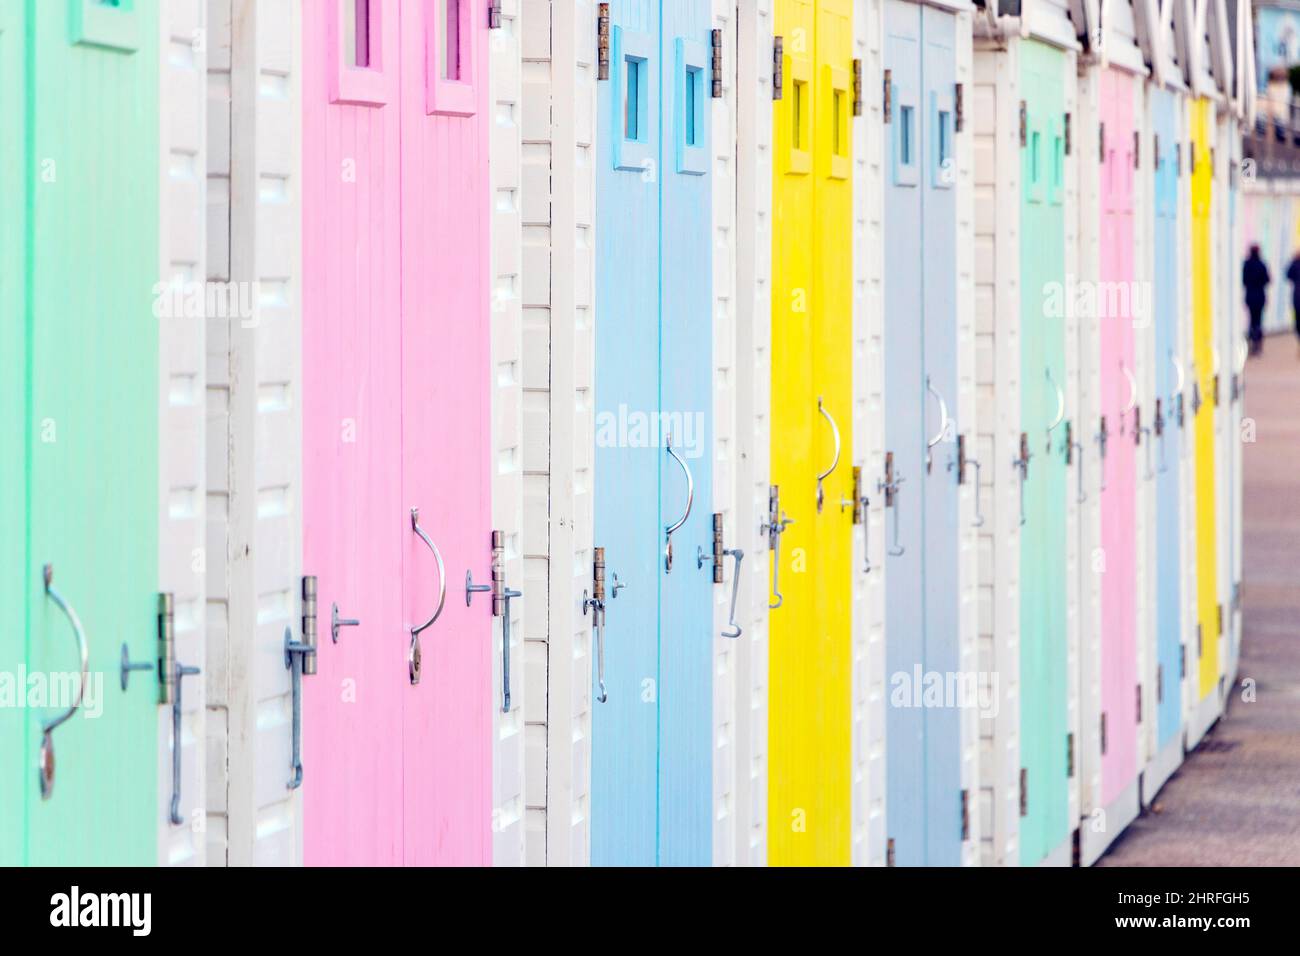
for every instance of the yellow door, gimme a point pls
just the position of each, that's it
(1207, 588)
(809, 645)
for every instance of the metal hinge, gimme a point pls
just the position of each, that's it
(1137, 424)
(778, 68)
(961, 459)
(1219, 611)
(1160, 683)
(1182, 661)
(717, 64)
(1069, 443)
(1103, 731)
(959, 108)
(166, 649)
(1191, 158)
(717, 548)
(1069, 754)
(887, 96)
(1155, 150)
(1024, 123)
(1067, 134)
(1024, 791)
(1159, 425)
(965, 814)
(1236, 596)
(1211, 160)
(1101, 142)
(602, 42)
(309, 624)
(1198, 640)
(1178, 159)
(1139, 703)
(857, 87)
(889, 852)
(494, 14)
(1216, 391)
(1137, 150)
(859, 513)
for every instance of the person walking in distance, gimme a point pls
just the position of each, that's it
(1255, 280)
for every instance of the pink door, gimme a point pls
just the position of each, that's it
(396, 760)
(1122, 416)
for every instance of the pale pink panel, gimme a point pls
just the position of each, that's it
(1118, 506)
(351, 408)
(445, 438)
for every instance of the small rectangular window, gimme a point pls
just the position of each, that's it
(796, 110)
(837, 136)
(905, 135)
(449, 20)
(692, 106)
(632, 99)
(356, 32)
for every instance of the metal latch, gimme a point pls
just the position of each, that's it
(889, 486)
(501, 598)
(602, 42)
(170, 677)
(1021, 464)
(596, 603)
(300, 660)
(774, 527)
(961, 463)
(778, 68)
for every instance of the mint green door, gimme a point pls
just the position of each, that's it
(1043, 741)
(13, 477)
(91, 424)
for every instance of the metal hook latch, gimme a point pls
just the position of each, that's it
(889, 486)
(835, 433)
(300, 660)
(774, 527)
(337, 622)
(596, 603)
(1021, 464)
(734, 630)
(501, 598)
(181, 671)
(960, 466)
(46, 765)
(690, 500)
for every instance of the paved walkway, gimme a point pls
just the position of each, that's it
(1236, 800)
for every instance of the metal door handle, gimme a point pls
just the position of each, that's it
(1060, 407)
(835, 433)
(1132, 391)
(733, 630)
(336, 622)
(690, 500)
(294, 652)
(413, 654)
(943, 422)
(49, 726)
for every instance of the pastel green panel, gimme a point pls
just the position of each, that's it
(1043, 741)
(92, 425)
(13, 472)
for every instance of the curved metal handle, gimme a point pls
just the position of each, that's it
(690, 500)
(734, 630)
(1132, 389)
(1060, 404)
(1178, 367)
(943, 416)
(83, 647)
(442, 573)
(835, 432)
(1242, 354)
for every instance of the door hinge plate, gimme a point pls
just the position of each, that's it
(965, 814)
(959, 108)
(717, 64)
(857, 87)
(166, 648)
(887, 96)
(1024, 791)
(1103, 731)
(1067, 134)
(602, 42)
(494, 14)
(778, 68)
(1069, 754)
(1024, 123)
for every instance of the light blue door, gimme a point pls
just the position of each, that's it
(1169, 421)
(923, 736)
(652, 732)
